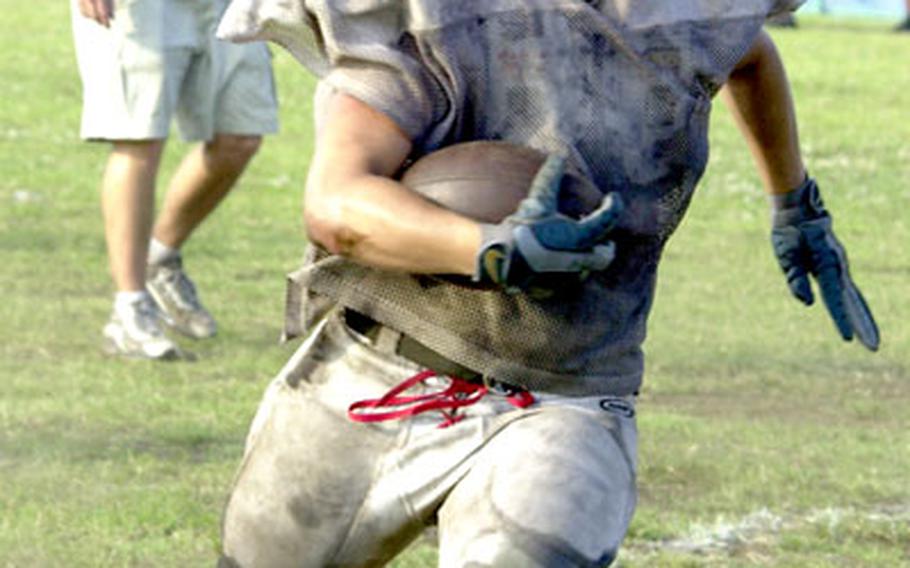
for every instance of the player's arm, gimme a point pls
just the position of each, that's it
(354, 208)
(802, 233)
(758, 95)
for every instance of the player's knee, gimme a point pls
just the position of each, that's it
(258, 531)
(243, 534)
(528, 550)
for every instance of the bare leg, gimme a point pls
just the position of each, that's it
(204, 177)
(128, 204)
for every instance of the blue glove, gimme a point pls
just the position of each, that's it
(537, 242)
(804, 243)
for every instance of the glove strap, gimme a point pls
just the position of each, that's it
(802, 204)
(494, 256)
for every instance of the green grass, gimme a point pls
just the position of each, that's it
(757, 423)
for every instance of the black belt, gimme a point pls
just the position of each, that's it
(413, 350)
(416, 352)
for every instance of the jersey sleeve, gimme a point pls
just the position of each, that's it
(360, 48)
(780, 6)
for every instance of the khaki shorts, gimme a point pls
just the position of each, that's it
(160, 61)
(549, 485)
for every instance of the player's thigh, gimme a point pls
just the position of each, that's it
(554, 489)
(305, 472)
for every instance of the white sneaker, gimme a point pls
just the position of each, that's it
(137, 334)
(176, 297)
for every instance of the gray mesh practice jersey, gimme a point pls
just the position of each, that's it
(623, 87)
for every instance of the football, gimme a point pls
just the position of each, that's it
(486, 180)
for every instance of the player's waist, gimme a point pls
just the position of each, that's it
(386, 339)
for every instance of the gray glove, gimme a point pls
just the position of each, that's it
(804, 243)
(537, 242)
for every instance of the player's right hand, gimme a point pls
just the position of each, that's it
(538, 240)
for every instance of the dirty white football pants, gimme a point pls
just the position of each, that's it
(550, 485)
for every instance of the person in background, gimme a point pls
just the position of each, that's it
(142, 64)
(904, 26)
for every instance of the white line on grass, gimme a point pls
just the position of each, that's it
(762, 527)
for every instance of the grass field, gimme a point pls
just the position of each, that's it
(765, 440)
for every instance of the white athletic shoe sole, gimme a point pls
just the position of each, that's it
(116, 343)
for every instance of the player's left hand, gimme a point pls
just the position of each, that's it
(804, 242)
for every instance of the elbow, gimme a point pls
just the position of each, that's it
(328, 226)
(318, 229)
